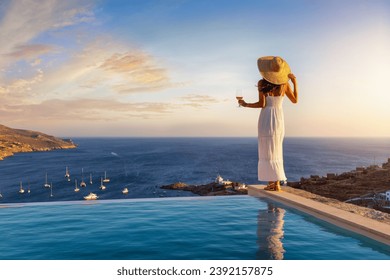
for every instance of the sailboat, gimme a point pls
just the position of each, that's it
(76, 189)
(46, 185)
(28, 189)
(106, 180)
(21, 190)
(67, 174)
(90, 179)
(102, 187)
(51, 190)
(82, 184)
(1, 196)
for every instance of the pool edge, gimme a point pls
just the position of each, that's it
(347, 220)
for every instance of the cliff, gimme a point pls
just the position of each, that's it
(18, 140)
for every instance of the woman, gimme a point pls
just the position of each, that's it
(272, 88)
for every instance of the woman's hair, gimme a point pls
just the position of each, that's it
(266, 86)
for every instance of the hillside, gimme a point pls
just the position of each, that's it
(18, 140)
(363, 186)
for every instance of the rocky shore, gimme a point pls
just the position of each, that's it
(360, 210)
(18, 140)
(210, 189)
(365, 186)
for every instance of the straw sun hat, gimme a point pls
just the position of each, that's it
(274, 69)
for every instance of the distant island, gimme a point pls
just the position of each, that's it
(19, 140)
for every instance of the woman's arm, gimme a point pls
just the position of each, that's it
(292, 94)
(258, 104)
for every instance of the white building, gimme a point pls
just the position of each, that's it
(240, 187)
(219, 180)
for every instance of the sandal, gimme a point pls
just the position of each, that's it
(270, 187)
(277, 187)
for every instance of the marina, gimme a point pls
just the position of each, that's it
(67, 178)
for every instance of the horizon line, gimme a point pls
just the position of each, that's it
(140, 136)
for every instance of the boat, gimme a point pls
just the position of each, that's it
(51, 190)
(21, 190)
(90, 179)
(76, 189)
(106, 180)
(125, 191)
(102, 187)
(82, 184)
(46, 185)
(28, 189)
(91, 196)
(67, 175)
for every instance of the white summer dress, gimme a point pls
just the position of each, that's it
(270, 137)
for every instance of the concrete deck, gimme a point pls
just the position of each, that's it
(347, 220)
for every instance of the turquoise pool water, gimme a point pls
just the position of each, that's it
(239, 227)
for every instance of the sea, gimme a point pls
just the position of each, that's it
(150, 223)
(143, 165)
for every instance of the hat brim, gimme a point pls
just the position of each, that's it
(265, 69)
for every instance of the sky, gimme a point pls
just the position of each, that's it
(172, 68)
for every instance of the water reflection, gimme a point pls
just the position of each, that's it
(270, 232)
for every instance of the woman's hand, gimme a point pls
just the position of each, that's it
(242, 102)
(292, 77)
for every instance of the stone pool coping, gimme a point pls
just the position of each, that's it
(347, 220)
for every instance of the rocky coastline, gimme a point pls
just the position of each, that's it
(20, 141)
(210, 189)
(365, 186)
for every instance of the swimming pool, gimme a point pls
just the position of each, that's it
(234, 227)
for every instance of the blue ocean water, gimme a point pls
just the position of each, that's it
(235, 227)
(144, 164)
(121, 226)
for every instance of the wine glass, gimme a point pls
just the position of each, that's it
(239, 95)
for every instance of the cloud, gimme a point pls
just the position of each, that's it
(127, 62)
(29, 51)
(18, 88)
(139, 71)
(99, 66)
(24, 20)
(78, 81)
(95, 110)
(125, 88)
(198, 101)
(83, 110)
(75, 16)
(96, 68)
(102, 69)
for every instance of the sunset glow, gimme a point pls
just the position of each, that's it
(171, 68)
